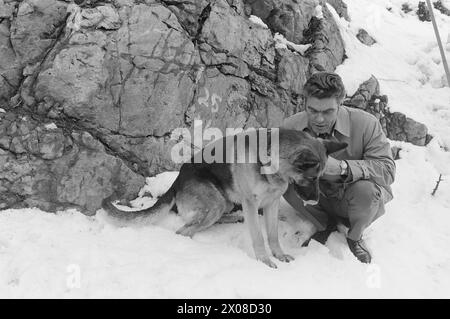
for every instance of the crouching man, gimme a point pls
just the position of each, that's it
(356, 182)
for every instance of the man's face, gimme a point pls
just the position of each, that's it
(322, 113)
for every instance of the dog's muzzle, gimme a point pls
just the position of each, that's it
(307, 195)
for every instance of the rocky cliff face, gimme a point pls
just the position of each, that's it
(91, 91)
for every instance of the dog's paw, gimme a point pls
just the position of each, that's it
(268, 262)
(284, 257)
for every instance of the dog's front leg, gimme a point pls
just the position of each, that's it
(251, 218)
(271, 219)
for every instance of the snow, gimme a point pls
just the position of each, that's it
(405, 59)
(42, 254)
(282, 43)
(257, 20)
(51, 126)
(70, 255)
(439, 155)
(318, 13)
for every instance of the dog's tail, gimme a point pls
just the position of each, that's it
(163, 204)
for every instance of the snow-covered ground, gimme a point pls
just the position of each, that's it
(405, 59)
(71, 255)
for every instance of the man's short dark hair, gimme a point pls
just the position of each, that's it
(323, 85)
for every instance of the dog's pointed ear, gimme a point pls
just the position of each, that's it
(332, 146)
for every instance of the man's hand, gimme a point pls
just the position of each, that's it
(332, 167)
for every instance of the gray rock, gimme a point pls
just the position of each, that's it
(43, 167)
(292, 72)
(327, 50)
(340, 7)
(296, 21)
(92, 177)
(36, 27)
(365, 38)
(118, 78)
(422, 12)
(362, 97)
(104, 17)
(6, 9)
(403, 128)
(223, 26)
(190, 13)
(287, 17)
(10, 70)
(395, 125)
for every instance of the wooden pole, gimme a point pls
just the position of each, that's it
(438, 37)
(437, 185)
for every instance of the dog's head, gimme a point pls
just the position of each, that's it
(306, 164)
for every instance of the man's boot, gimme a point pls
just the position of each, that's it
(322, 236)
(359, 249)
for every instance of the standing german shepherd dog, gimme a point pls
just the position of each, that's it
(203, 192)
